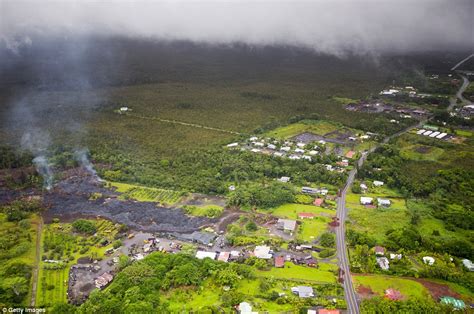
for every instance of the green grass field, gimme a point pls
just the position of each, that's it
(146, 194)
(318, 127)
(323, 274)
(210, 211)
(421, 152)
(310, 229)
(378, 284)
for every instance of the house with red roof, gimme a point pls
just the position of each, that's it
(350, 154)
(318, 202)
(393, 294)
(305, 215)
(279, 261)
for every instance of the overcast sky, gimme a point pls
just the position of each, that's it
(331, 26)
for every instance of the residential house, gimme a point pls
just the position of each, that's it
(305, 215)
(350, 154)
(396, 256)
(428, 260)
(311, 262)
(303, 291)
(299, 151)
(313, 152)
(103, 280)
(366, 200)
(309, 190)
(383, 202)
(326, 311)
(279, 261)
(318, 202)
(456, 303)
(294, 157)
(223, 257)
(393, 294)
(262, 251)
(363, 187)
(379, 250)
(286, 225)
(284, 179)
(378, 183)
(285, 148)
(204, 254)
(123, 109)
(468, 264)
(301, 145)
(271, 146)
(245, 308)
(323, 191)
(305, 157)
(255, 150)
(232, 145)
(253, 138)
(278, 154)
(383, 263)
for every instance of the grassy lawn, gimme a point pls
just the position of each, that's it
(464, 133)
(60, 243)
(376, 221)
(146, 194)
(322, 274)
(311, 229)
(421, 152)
(379, 283)
(317, 127)
(211, 211)
(291, 211)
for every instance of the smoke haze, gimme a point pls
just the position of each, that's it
(333, 27)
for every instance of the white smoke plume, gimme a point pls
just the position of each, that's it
(37, 142)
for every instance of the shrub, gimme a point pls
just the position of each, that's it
(84, 226)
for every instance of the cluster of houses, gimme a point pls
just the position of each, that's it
(381, 107)
(465, 112)
(382, 260)
(286, 149)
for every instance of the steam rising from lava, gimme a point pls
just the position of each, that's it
(37, 142)
(82, 158)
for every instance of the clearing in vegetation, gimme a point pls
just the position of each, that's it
(379, 283)
(146, 194)
(324, 273)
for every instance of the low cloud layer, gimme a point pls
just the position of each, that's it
(332, 26)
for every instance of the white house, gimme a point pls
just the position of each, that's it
(278, 154)
(245, 308)
(204, 254)
(306, 157)
(253, 138)
(419, 132)
(468, 264)
(301, 145)
(258, 144)
(378, 183)
(299, 151)
(363, 186)
(366, 200)
(287, 225)
(383, 263)
(303, 291)
(323, 191)
(313, 152)
(123, 109)
(262, 251)
(271, 146)
(294, 157)
(383, 202)
(395, 256)
(428, 260)
(285, 148)
(232, 145)
(255, 150)
(284, 179)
